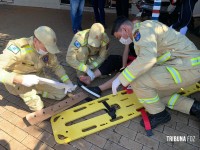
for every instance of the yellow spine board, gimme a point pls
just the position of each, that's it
(65, 133)
(190, 90)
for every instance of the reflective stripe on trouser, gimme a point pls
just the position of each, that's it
(149, 100)
(165, 57)
(32, 100)
(178, 102)
(175, 74)
(147, 96)
(172, 100)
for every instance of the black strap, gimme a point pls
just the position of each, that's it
(110, 110)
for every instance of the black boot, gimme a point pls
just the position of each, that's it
(195, 109)
(158, 118)
(95, 91)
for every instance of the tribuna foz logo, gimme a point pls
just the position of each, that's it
(180, 138)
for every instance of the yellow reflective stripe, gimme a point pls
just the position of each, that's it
(165, 57)
(195, 61)
(64, 78)
(149, 100)
(127, 74)
(45, 94)
(175, 74)
(27, 49)
(82, 67)
(173, 100)
(95, 64)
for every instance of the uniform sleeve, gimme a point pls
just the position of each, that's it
(72, 53)
(58, 69)
(103, 53)
(8, 59)
(146, 44)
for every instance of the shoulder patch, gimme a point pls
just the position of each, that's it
(137, 35)
(13, 48)
(77, 44)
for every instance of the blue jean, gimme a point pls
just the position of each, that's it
(98, 6)
(76, 14)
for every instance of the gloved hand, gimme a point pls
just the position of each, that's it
(90, 73)
(115, 85)
(30, 80)
(183, 30)
(70, 87)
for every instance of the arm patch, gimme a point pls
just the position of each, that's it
(77, 44)
(13, 49)
(137, 35)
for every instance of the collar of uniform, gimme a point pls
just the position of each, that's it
(30, 42)
(82, 37)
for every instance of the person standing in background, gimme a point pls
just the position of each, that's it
(98, 6)
(122, 7)
(76, 14)
(185, 9)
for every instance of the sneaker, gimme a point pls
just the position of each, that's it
(95, 91)
(156, 119)
(195, 109)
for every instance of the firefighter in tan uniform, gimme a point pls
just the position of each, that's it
(23, 61)
(166, 61)
(88, 54)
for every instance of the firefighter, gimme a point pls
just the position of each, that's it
(88, 54)
(23, 61)
(166, 61)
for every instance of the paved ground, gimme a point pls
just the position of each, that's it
(18, 22)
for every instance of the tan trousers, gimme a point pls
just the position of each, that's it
(30, 95)
(158, 82)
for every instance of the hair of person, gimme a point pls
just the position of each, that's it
(118, 22)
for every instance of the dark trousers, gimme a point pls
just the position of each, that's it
(98, 6)
(111, 64)
(185, 10)
(122, 7)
